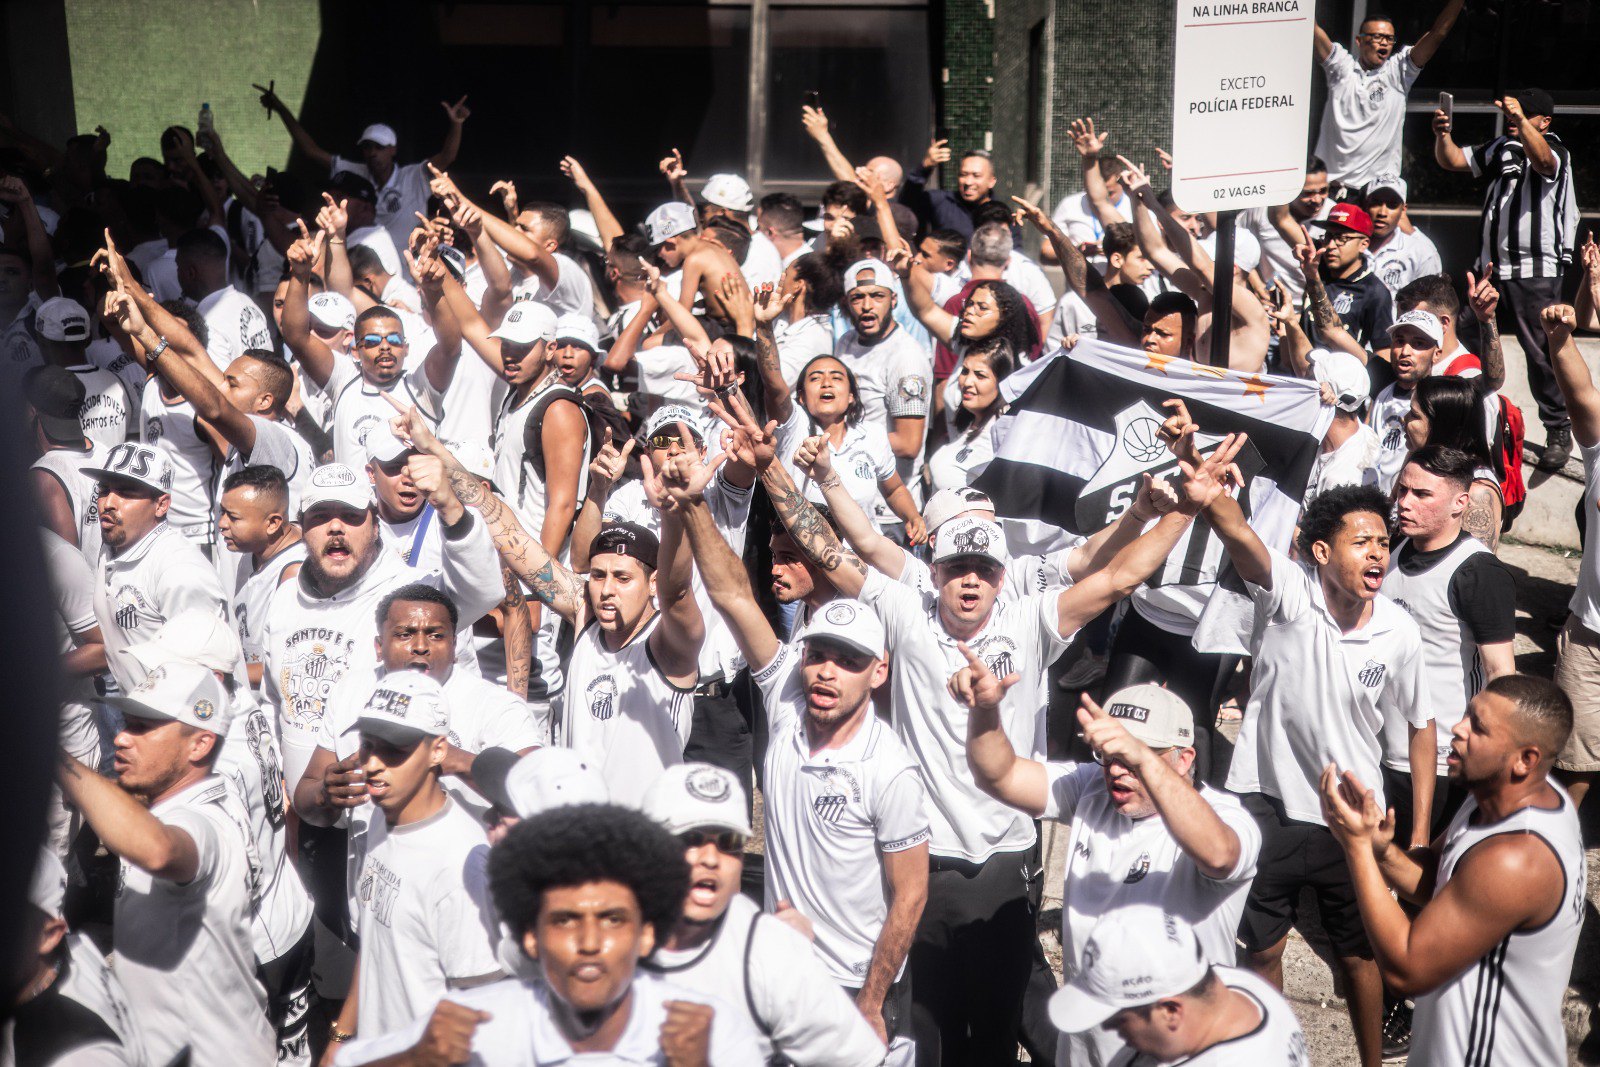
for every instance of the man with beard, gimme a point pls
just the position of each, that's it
(722, 943)
(628, 700)
(893, 371)
(587, 891)
(357, 389)
(1415, 342)
(147, 571)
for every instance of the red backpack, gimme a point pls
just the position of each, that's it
(1505, 449)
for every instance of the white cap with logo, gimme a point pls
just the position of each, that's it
(1424, 322)
(553, 778)
(577, 328)
(970, 536)
(1345, 375)
(695, 796)
(380, 134)
(336, 483)
(333, 311)
(850, 623)
(526, 323)
(179, 691)
(1154, 714)
(405, 707)
(669, 220)
(1388, 181)
(62, 319)
(134, 462)
(1136, 955)
(664, 417)
(729, 191)
(193, 635)
(946, 504)
(878, 274)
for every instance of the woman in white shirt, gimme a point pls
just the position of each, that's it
(970, 448)
(825, 402)
(803, 330)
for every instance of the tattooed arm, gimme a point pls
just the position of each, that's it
(812, 532)
(517, 632)
(1482, 517)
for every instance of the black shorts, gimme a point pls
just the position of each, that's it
(1448, 796)
(1295, 856)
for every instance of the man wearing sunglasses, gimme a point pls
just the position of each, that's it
(1358, 296)
(724, 945)
(1141, 832)
(382, 364)
(1366, 109)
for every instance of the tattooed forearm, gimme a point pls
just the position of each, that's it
(811, 531)
(517, 632)
(1322, 313)
(1494, 364)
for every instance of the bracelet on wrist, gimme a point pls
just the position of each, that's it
(161, 346)
(338, 1036)
(336, 240)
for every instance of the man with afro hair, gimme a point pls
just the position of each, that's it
(586, 890)
(1334, 661)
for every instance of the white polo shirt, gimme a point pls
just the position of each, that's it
(828, 815)
(1364, 115)
(183, 952)
(573, 293)
(1353, 463)
(142, 587)
(1404, 258)
(1020, 636)
(1321, 696)
(399, 198)
(423, 912)
(1386, 416)
(863, 460)
(801, 342)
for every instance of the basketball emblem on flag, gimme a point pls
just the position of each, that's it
(1142, 439)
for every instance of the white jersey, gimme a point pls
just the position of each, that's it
(1275, 1041)
(1021, 636)
(470, 404)
(1073, 316)
(234, 324)
(171, 427)
(104, 415)
(1449, 654)
(863, 460)
(893, 377)
(72, 598)
(522, 1032)
(957, 463)
(1321, 696)
(1507, 1008)
(143, 586)
(253, 595)
(183, 952)
(623, 714)
(254, 769)
(425, 918)
(1404, 258)
(768, 971)
(1362, 120)
(1353, 463)
(1387, 416)
(358, 405)
(399, 199)
(1115, 862)
(763, 264)
(573, 293)
(278, 444)
(801, 342)
(829, 814)
(66, 465)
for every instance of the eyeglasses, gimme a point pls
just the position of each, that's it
(1379, 38)
(373, 340)
(1343, 238)
(665, 440)
(728, 842)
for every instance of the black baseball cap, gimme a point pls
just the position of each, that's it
(626, 539)
(57, 396)
(1535, 102)
(349, 184)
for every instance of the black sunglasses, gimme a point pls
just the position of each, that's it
(373, 340)
(728, 842)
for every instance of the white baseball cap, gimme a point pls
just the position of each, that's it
(475, 458)
(179, 691)
(581, 224)
(574, 327)
(404, 707)
(729, 191)
(528, 322)
(666, 416)
(881, 275)
(693, 796)
(946, 504)
(970, 536)
(1388, 181)
(380, 134)
(1345, 375)
(61, 319)
(545, 778)
(134, 462)
(336, 483)
(193, 635)
(1424, 322)
(669, 220)
(47, 889)
(1155, 715)
(383, 446)
(1136, 955)
(333, 310)
(850, 623)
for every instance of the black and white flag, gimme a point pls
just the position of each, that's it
(1082, 431)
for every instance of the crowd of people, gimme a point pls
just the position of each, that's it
(440, 579)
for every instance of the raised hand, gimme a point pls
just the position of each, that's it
(1482, 294)
(716, 371)
(938, 152)
(1511, 107)
(469, 218)
(975, 685)
(1109, 738)
(1178, 430)
(457, 112)
(1134, 178)
(739, 302)
(1309, 256)
(672, 167)
(1589, 252)
(1203, 483)
(1441, 123)
(769, 305)
(610, 462)
(344, 784)
(1086, 140)
(749, 443)
(507, 192)
(304, 254)
(334, 216)
(1558, 320)
(686, 1034)
(412, 427)
(1352, 812)
(574, 171)
(110, 263)
(124, 313)
(684, 477)
(269, 96)
(1029, 212)
(815, 120)
(869, 183)
(441, 185)
(13, 190)
(1165, 157)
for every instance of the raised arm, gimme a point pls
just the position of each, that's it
(1572, 374)
(724, 576)
(333, 220)
(676, 642)
(677, 176)
(241, 186)
(431, 276)
(623, 349)
(1540, 155)
(1090, 144)
(1428, 44)
(14, 191)
(312, 352)
(815, 459)
(1013, 780)
(302, 140)
(457, 113)
(767, 306)
(919, 293)
(605, 221)
(528, 254)
(815, 121)
(469, 321)
(497, 287)
(126, 827)
(1321, 43)
(1588, 299)
(1116, 325)
(183, 148)
(1446, 152)
(812, 533)
(674, 310)
(1204, 483)
(1484, 297)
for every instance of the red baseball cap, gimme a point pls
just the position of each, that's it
(1350, 216)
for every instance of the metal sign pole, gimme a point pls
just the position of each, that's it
(1222, 289)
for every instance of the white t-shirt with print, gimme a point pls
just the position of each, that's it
(233, 324)
(573, 293)
(1364, 116)
(862, 460)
